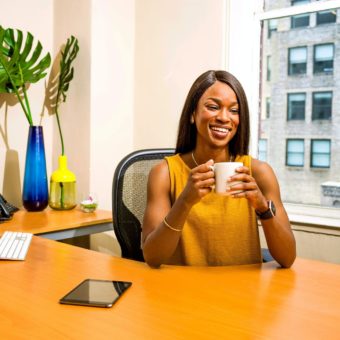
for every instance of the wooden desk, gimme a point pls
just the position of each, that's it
(59, 225)
(248, 302)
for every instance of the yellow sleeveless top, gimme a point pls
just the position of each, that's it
(219, 230)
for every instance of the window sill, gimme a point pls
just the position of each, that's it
(314, 216)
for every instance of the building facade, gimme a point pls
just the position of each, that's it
(300, 103)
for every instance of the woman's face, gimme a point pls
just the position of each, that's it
(217, 116)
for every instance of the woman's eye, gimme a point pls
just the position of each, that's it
(236, 111)
(212, 107)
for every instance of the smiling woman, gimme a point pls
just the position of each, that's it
(186, 221)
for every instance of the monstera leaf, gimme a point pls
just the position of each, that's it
(68, 54)
(66, 71)
(20, 64)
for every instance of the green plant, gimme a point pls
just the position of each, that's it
(63, 79)
(65, 76)
(20, 65)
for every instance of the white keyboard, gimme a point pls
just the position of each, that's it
(14, 245)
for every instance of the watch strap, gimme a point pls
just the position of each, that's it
(269, 213)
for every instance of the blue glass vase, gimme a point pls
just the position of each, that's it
(35, 190)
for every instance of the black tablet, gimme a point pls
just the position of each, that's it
(98, 293)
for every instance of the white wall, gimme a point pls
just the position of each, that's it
(112, 91)
(36, 17)
(176, 41)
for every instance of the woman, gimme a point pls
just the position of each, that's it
(185, 221)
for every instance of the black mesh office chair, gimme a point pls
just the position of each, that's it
(129, 199)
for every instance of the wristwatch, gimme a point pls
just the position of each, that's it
(269, 213)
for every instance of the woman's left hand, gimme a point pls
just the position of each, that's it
(249, 188)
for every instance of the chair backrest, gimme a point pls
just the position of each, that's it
(129, 198)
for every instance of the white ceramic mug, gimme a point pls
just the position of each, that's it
(223, 171)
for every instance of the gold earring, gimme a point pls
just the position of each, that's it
(192, 120)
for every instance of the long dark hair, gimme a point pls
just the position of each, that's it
(186, 137)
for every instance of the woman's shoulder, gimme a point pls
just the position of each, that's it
(262, 170)
(159, 169)
(258, 165)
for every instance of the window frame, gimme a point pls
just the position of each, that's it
(295, 18)
(247, 26)
(304, 106)
(314, 58)
(266, 149)
(313, 153)
(289, 64)
(267, 107)
(268, 60)
(303, 155)
(313, 105)
(324, 23)
(271, 29)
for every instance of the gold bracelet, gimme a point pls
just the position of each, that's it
(169, 226)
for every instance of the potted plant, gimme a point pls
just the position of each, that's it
(21, 64)
(63, 181)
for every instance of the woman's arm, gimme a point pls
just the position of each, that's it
(159, 240)
(259, 189)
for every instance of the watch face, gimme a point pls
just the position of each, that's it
(272, 207)
(268, 213)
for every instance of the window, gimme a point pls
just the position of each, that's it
(268, 68)
(303, 94)
(263, 149)
(297, 60)
(323, 58)
(322, 105)
(295, 152)
(320, 153)
(296, 106)
(267, 107)
(299, 2)
(325, 17)
(301, 20)
(272, 27)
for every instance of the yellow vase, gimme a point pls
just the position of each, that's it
(62, 187)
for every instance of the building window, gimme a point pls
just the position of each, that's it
(321, 153)
(272, 27)
(323, 58)
(325, 17)
(263, 149)
(299, 2)
(267, 107)
(268, 68)
(296, 106)
(295, 152)
(301, 20)
(322, 105)
(297, 60)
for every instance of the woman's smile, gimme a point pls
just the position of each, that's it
(219, 132)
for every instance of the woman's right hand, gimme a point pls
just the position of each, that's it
(200, 182)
